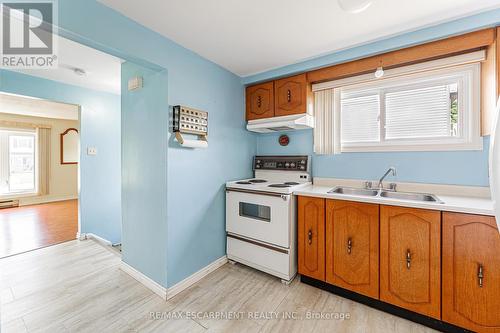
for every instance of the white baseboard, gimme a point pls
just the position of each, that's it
(190, 280)
(37, 200)
(96, 238)
(146, 281)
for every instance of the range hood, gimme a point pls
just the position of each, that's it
(279, 124)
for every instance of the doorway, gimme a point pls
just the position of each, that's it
(39, 154)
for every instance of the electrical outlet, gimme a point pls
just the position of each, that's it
(91, 151)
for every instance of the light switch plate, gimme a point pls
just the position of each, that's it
(91, 151)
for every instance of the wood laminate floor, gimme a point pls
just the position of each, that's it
(77, 286)
(31, 227)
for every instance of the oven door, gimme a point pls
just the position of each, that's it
(261, 216)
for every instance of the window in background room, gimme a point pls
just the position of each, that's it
(17, 162)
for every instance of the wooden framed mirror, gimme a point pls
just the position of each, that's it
(69, 146)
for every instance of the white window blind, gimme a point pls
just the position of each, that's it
(432, 106)
(418, 113)
(360, 119)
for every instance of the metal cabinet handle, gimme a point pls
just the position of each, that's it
(310, 236)
(349, 245)
(288, 95)
(259, 101)
(480, 275)
(408, 258)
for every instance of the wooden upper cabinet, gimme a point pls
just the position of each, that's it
(471, 272)
(260, 101)
(311, 237)
(410, 256)
(352, 243)
(292, 95)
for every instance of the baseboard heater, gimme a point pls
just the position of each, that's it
(9, 203)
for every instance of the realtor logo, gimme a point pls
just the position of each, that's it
(28, 36)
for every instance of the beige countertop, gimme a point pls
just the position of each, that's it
(461, 204)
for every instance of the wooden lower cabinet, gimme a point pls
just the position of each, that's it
(311, 237)
(471, 272)
(439, 264)
(352, 242)
(410, 259)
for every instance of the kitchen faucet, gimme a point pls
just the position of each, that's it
(390, 170)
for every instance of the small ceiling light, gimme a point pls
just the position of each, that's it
(379, 72)
(354, 6)
(79, 71)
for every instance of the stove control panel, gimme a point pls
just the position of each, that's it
(288, 163)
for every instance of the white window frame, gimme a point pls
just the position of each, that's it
(466, 68)
(23, 193)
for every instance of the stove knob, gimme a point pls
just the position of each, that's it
(257, 166)
(302, 167)
(292, 165)
(258, 161)
(287, 165)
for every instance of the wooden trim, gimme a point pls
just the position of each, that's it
(62, 143)
(407, 56)
(489, 86)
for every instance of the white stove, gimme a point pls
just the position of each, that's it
(261, 215)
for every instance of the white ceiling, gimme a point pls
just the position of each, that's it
(36, 107)
(248, 37)
(103, 71)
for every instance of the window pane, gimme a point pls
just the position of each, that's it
(418, 113)
(360, 119)
(21, 163)
(255, 211)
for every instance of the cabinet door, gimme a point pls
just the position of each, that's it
(260, 101)
(292, 95)
(471, 272)
(410, 262)
(311, 237)
(352, 246)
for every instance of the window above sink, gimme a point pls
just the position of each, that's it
(432, 106)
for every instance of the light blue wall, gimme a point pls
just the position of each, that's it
(474, 22)
(100, 127)
(144, 172)
(458, 167)
(196, 177)
(195, 197)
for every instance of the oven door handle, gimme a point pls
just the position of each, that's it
(282, 196)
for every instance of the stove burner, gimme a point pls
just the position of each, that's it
(258, 181)
(280, 185)
(291, 183)
(244, 183)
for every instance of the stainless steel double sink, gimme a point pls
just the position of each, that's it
(422, 197)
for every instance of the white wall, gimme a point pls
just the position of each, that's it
(63, 183)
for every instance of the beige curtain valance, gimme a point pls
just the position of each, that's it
(21, 125)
